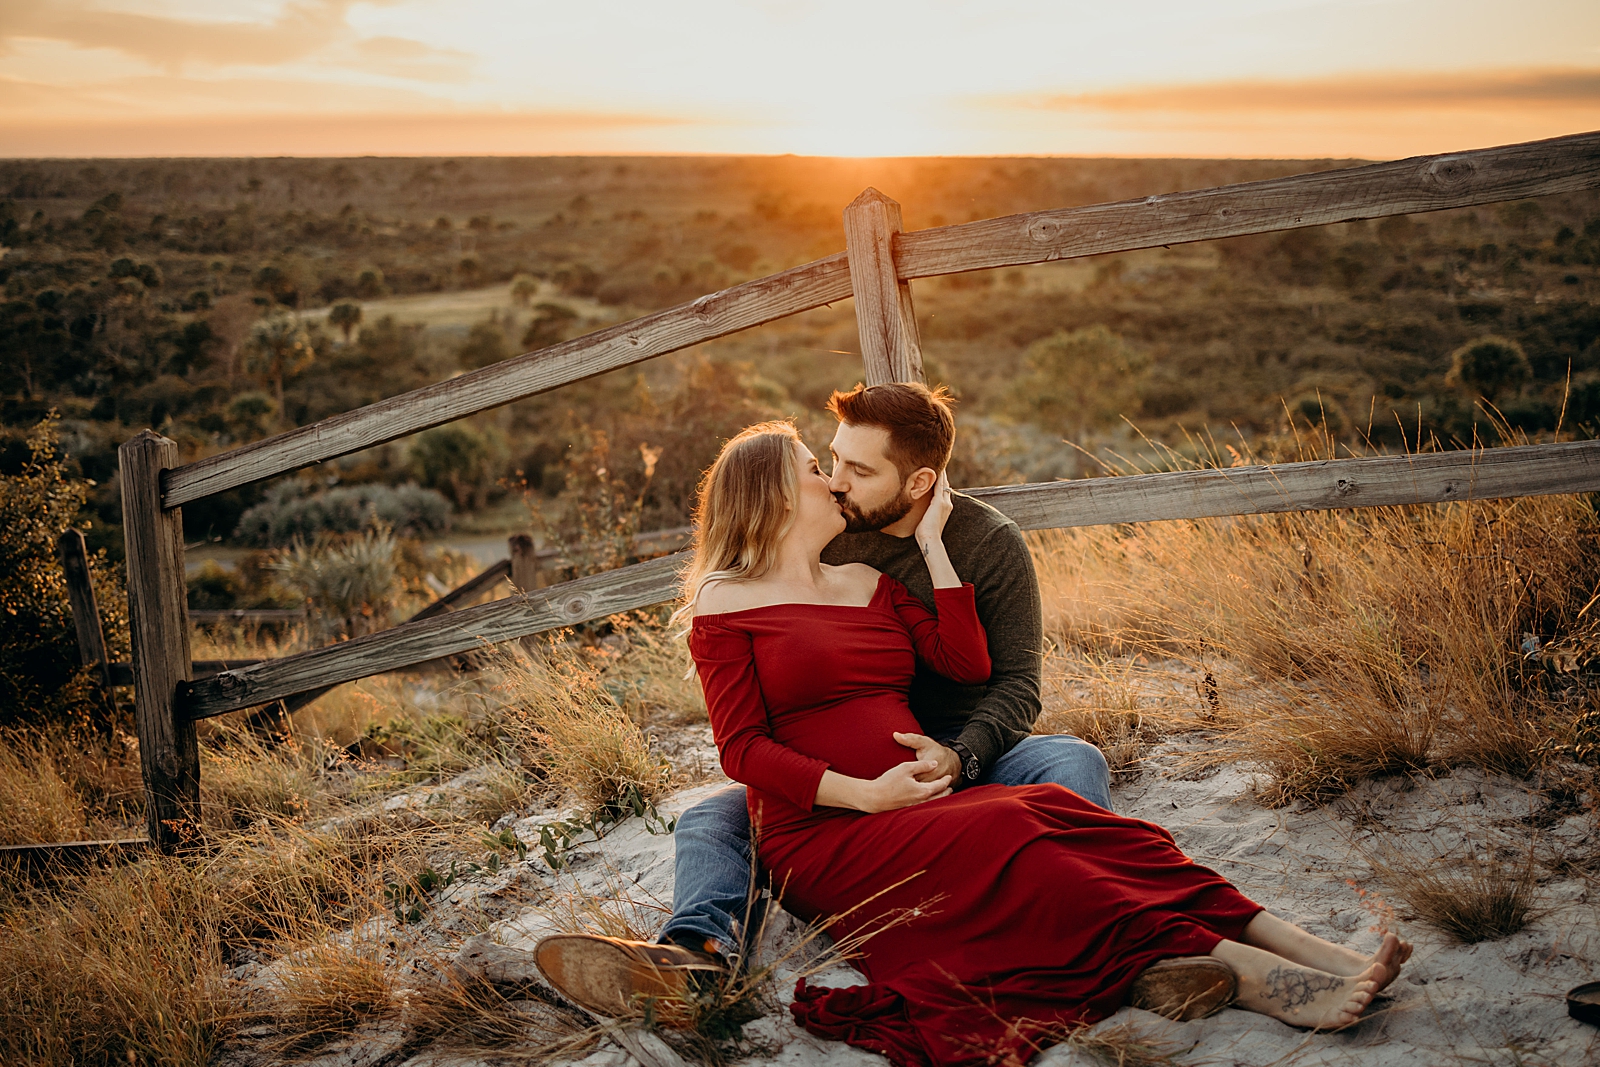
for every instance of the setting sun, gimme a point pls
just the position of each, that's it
(424, 77)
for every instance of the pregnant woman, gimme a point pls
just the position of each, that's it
(1022, 911)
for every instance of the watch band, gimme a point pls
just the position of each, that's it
(970, 769)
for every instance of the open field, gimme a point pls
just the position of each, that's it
(134, 293)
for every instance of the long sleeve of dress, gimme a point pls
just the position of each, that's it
(725, 661)
(953, 642)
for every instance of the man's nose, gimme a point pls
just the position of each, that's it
(836, 482)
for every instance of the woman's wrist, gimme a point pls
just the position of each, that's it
(842, 791)
(940, 569)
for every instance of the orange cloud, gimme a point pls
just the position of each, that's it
(301, 29)
(1359, 92)
(436, 134)
(400, 57)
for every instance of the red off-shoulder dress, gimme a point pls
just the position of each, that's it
(1024, 910)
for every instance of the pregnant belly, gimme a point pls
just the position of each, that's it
(854, 737)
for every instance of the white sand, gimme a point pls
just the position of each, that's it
(1497, 1002)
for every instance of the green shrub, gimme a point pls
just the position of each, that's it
(287, 514)
(40, 679)
(350, 586)
(460, 461)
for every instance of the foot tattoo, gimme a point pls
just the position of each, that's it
(1293, 989)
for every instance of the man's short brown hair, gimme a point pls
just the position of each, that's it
(921, 422)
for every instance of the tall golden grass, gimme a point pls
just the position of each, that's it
(566, 722)
(1340, 645)
(1103, 701)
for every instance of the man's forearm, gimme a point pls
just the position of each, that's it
(1002, 718)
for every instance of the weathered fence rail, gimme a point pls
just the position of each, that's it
(522, 615)
(876, 267)
(1428, 478)
(1425, 183)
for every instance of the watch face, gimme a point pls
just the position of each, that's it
(972, 769)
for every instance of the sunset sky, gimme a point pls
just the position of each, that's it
(1288, 78)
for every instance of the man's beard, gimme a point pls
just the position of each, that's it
(858, 521)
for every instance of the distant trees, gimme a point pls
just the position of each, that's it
(1079, 380)
(460, 461)
(524, 287)
(486, 343)
(345, 317)
(550, 325)
(278, 347)
(370, 285)
(285, 283)
(1492, 367)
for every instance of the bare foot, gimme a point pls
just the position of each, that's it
(1301, 996)
(1391, 955)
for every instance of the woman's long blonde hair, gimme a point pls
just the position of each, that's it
(744, 506)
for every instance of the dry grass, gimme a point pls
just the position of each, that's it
(649, 676)
(328, 987)
(1483, 895)
(1102, 701)
(1123, 1045)
(242, 779)
(469, 1015)
(132, 963)
(560, 713)
(55, 788)
(1342, 645)
(127, 967)
(39, 803)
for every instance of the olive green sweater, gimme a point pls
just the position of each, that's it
(987, 550)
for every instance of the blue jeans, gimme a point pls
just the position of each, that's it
(711, 886)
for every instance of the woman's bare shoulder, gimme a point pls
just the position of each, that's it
(717, 597)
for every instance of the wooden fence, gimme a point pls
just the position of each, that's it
(876, 268)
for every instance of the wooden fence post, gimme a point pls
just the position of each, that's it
(890, 345)
(524, 563)
(86, 613)
(158, 614)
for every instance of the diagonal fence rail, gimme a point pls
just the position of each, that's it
(876, 268)
(1425, 183)
(1436, 477)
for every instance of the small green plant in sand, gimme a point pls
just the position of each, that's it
(557, 839)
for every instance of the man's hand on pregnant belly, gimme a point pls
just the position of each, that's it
(896, 787)
(946, 764)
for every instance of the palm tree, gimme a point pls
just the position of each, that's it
(278, 347)
(345, 317)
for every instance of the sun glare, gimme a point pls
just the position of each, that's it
(849, 78)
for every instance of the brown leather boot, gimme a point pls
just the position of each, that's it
(1185, 987)
(610, 976)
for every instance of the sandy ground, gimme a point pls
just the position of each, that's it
(1496, 1002)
